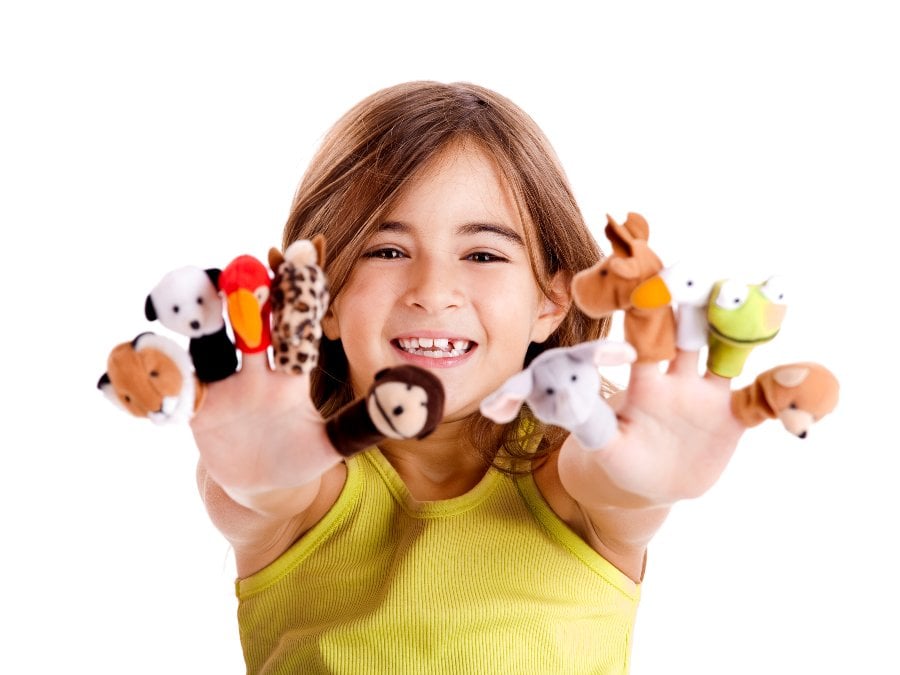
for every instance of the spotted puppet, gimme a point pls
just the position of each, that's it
(299, 301)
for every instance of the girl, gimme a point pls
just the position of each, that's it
(453, 236)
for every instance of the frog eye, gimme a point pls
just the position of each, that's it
(732, 294)
(773, 289)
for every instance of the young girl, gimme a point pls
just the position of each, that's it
(452, 238)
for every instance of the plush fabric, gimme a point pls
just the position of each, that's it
(247, 288)
(608, 286)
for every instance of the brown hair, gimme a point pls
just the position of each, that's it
(358, 174)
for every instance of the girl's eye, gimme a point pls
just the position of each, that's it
(384, 254)
(485, 257)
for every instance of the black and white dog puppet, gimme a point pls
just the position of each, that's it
(187, 301)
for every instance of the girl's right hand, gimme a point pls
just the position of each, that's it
(261, 439)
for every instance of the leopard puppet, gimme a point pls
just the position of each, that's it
(299, 301)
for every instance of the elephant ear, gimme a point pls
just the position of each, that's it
(503, 405)
(613, 353)
(602, 352)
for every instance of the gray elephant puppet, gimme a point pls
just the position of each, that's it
(562, 387)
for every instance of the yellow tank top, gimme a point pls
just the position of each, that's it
(488, 582)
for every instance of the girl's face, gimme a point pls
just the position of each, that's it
(446, 284)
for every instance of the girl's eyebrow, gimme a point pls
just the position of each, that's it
(463, 230)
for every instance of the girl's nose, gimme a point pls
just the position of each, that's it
(434, 287)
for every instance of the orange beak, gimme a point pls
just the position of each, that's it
(245, 315)
(651, 294)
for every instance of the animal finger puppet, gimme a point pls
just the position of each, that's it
(152, 377)
(608, 286)
(798, 394)
(686, 287)
(562, 387)
(187, 301)
(741, 316)
(403, 402)
(299, 300)
(246, 285)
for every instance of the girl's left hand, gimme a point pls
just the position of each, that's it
(676, 436)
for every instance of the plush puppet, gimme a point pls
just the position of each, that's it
(246, 285)
(562, 387)
(741, 316)
(152, 377)
(299, 301)
(403, 402)
(799, 394)
(187, 301)
(608, 285)
(688, 289)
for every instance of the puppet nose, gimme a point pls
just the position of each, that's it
(802, 434)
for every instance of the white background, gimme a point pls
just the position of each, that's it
(759, 137)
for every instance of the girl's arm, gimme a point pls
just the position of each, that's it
(676, 436)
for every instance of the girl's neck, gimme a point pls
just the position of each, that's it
(442, 466)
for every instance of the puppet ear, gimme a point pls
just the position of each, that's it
(790, 376)
(637, 226)
(618, 237)
(503, 405)
(319, 244)
(275, 259)
(613, 353)
(213, 273)
(149, 309)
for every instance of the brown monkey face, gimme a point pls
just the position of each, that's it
(398, 409)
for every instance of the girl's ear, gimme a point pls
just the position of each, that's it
(330, 325)
(553, 308)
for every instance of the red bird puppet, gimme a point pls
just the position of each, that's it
(245, 284)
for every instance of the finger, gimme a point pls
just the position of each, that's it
(685, 363)
(718, 380)
(257, 362)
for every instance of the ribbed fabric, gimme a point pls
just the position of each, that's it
(488, 582)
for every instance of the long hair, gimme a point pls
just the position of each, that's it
(358, 174)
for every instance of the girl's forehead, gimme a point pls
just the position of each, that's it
(461, 183)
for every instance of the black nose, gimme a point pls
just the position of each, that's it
(195, 325)
(802, 435)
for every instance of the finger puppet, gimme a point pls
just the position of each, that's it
(562, 387)
(799, 394)
(299, 300)
(246, 285)
(187, 301)
(686, 288)
(404, 402)
(741, 316)
(152, 377)
(608, 286)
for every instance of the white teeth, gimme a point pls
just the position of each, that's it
(436, 348)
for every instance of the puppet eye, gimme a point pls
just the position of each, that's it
(199, 301)
(550, 391)
(793, 406)
(732, 294)
(175, 308)
(127, 398)
(604, 272)
(154, 373)
(397, 411)
(773, 289)
(574, 378)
